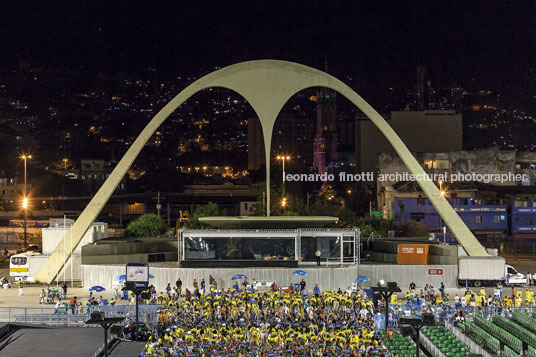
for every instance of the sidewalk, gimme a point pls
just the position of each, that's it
(10, 297)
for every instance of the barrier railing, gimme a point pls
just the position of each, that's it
(76, 316)
(447, 312)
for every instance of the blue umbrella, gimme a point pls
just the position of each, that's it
(239, 276)
(299, 272)
(122, 277)
(362, 279)
(97, 288)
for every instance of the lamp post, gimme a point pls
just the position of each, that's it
(386, 292)
(25, 199)
(25, 207)
(106, 322)
(443, 194)
(417, 324)
(283, 158)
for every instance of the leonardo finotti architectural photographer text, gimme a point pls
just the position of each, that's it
(405, 176)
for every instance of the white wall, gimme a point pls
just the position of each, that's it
(53, 235)
(326, 278)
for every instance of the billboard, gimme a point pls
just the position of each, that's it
(137, 273)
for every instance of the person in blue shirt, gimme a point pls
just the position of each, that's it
(316, 291)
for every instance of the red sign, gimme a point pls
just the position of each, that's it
(435, 271)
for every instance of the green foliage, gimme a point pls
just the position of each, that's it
(211, 209)
(148, 225)
(414, 229)
(258, 208)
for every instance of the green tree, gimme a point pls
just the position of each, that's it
(148, 225)
(258, 207)
(414, 229)
(211, 209)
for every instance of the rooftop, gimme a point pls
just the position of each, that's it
(262, 222)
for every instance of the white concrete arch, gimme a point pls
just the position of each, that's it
(267, 85)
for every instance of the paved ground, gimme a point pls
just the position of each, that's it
(127, 349)
(10, 297)
(53, 342)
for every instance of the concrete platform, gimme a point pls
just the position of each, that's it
(25, 340)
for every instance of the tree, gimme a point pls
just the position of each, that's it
(148, 225)
(209, 210)
(414, 229)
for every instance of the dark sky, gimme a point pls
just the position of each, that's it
(490, 41)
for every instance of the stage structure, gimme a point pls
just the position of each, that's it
(268, 247)
(266, 85)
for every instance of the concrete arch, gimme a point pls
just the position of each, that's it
(267, 85)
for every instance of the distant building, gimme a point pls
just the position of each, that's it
(11, 191)
(511, 164)
(325, 142)
(524, 220)
(427, 131)
(486, 221)
(93, 170)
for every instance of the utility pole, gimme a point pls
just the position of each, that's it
(158, 205)
(168, 215)
(25, 200)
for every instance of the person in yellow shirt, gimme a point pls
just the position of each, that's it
(467, 298)
(530, 298)
(517, 301)
(394, 299)
(507, 301)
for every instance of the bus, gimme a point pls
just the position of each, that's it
(25, 266)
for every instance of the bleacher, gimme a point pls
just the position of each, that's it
(399, 345)
(503, 336)
(531, 352)
(445, 341)
(481, 337)
(525, 320)
(508, 352)
(519, 332)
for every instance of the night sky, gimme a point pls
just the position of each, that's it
(488, 44)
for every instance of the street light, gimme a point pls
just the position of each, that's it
(441, 191)
(25, 158)
(25, 199)
(97, 318)
(426, 319)
(283, 158)
(386, 292)
(25, 207)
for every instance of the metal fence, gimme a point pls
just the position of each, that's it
(76, 317)
(446, 313)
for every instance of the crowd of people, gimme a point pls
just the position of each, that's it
(499, 299)
(246, 322)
